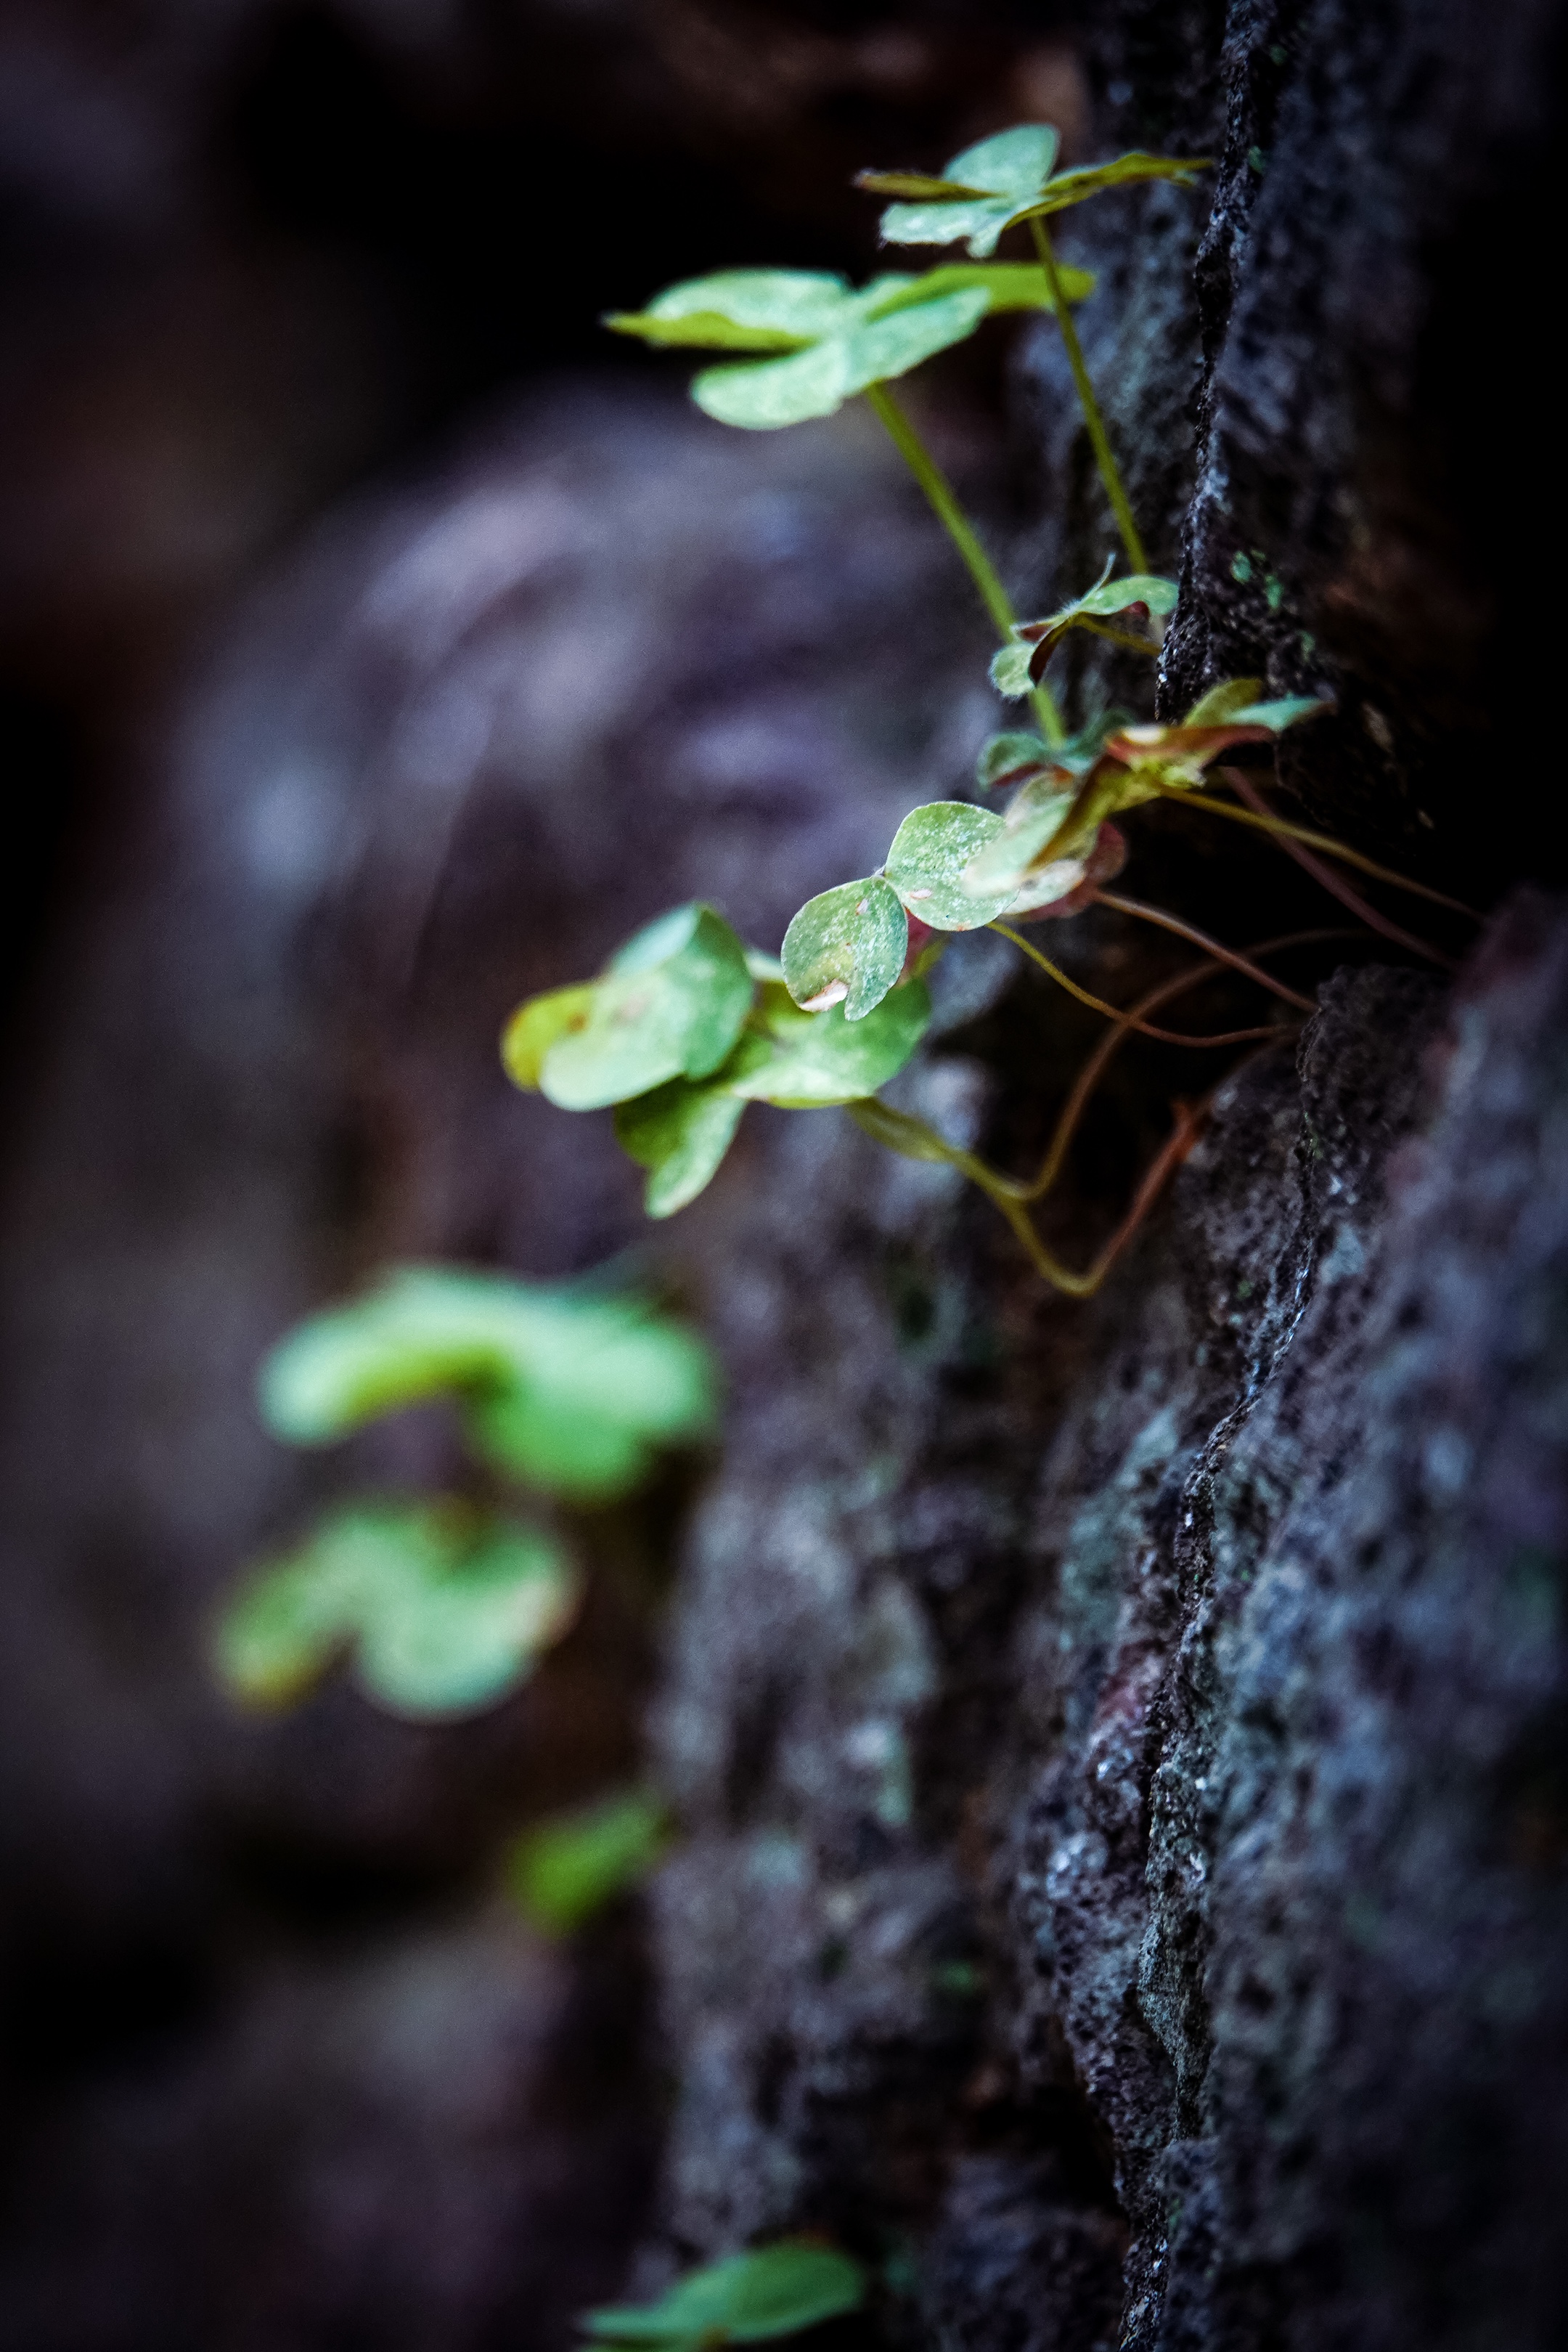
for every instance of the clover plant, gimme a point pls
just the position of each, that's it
(749, 2298)
(687, 1025)
(445, 1605)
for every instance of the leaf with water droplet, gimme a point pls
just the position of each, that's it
(846, 946)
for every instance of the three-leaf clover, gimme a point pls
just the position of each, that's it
(1002, 181)
(557, 1388)
(749, 2298)
(814, 341)
(444, 1610)
(680, 1126)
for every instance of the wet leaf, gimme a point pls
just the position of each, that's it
(931, 852)
(564, 1871)
(846, 946)
(670, 1005)
(773, 2291)
(680, 1133)
(804, 1061)
(536, 1025)
(444, 1610)
(567, 1390)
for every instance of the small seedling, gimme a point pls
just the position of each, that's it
(445, 1606)
(749, 2298)
(685, 1026)
(564, 1872)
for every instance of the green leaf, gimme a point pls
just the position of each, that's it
(800, 304)
(671, 1006)
(1277, 716)
(749, 2299)
(536, 1025)
(1015, 163)
(1005, 180)
(565, 1391)
(1002, 868)
(1091, 180)
(564, 1871)
(977, 220)
(680, 1133)
(768, 393)
(806, 1060)
(1223, 701)
(931, 852)
(445, 1611)
(1010, 671)
(1007, 285)
(699, 330)
(846, 945)
(1006, 759)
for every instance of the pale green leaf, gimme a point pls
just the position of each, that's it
(809, 1060)
(846, 945)
(543, 1440)
(680, 1133)
(671, 1006)
(1222, 702)
(768, 393)
(282, 1628)
(1007, 285)
(1015, 163)
(536, 1025)
(748, 2299)
(804, 303)
(1001, 866)
(1010, 671)
(1074, 188)
(931, 852)
(699, 330)
(978, 221)
(564, 1871)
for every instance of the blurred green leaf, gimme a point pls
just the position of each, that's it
(931, 851)
(563, 1871)
(771, 392)
(773, 2291)
(670, 1005)
(1223, 701)
(1277, 716)
(680, 1133)
(565, 1389)
(536, 1025)
(806, 1060)
(846, 945)
(443, 1609)
(1010, 671)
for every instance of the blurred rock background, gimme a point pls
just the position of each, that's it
(1120, 1751)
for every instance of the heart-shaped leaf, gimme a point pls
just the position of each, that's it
(846, 946)
(749, 2299)
(827, 340)
(444, 1610)
(1003, 180)
(671, 1006)
(932, 851)
(1010, 671)
(805, 1061)
(680, 1133)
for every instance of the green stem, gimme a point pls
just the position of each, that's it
(955, 523)
(1087, 402)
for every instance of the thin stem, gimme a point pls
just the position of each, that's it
(955, 523)
(1326, 879)
(1157, 916)
(1323, 841)
(1115, 1013)
(1087, 402)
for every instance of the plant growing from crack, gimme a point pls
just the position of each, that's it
(687, 1025)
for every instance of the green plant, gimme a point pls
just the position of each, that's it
(445, 1605)
(687, 1024)
(563, 1871)
(749, 2298)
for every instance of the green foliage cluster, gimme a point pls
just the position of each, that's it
(564, 1872)
(749, 2298)
(445, 1606)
